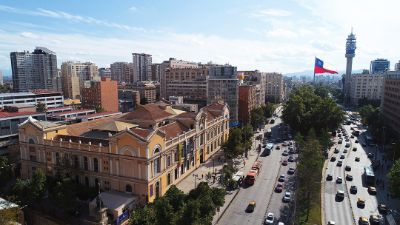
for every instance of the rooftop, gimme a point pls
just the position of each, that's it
(173, 130)
(73, 112)
(100, 114)
(4, 114)
(152, 112)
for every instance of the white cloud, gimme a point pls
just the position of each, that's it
(69, 17)
(280, 32)
(271, 13)
(133, 8)
(29, 35)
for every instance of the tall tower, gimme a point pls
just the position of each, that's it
(350, 53)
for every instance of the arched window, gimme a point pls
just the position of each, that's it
(95, 165)
(76, 162)
(57, 158)
(157, 165)
(85, 163)
(128, 188)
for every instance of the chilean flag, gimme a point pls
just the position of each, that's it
(319, 67)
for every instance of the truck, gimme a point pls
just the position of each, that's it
(254, 171)
(251, 177)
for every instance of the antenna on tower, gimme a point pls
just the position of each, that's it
(351, 29)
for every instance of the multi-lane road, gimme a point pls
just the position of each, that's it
(347, 211)
(263, 190)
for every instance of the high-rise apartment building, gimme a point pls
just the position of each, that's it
(223, 84)
(122, 72)
(74, 74)
(103, 93)
(1, 78)
(155, 71)
(190, 83)
(104, 72)
(390, 106)
(171, 64)
(379, 66)
(147, 91)
(365, 86)
(274, 87)
(259, 79)
(247, 102)
(141, 67)
(36, 70)
(397, 66)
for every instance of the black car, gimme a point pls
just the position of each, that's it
(371, 155)
(353, 189)
(336, 150)
(357, 159)
(333, 159)
(356, 141)
(329, 177)
(339, 163)
(349, 177)
(291, 159)
(342, 157)
(348, 168)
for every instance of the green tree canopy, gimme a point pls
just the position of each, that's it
(257, 117)
(41, 107)
(305, 110)
(394, 179)
(233, 147)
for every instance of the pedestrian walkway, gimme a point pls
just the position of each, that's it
(214, 166)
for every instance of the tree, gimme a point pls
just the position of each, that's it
(164, 212)
(65, 194)
(257, 117)
(5, 170)
(305, 110)
(175, 197)
(322, 91)
(143, 216)
(41, 107)
(233, 147)
(368, 114)
(269, 109)
(394, 179)
(99, 109)
(247, 138)
(309, 171)
(143, 101)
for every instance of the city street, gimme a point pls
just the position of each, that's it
(340, 212)
(263, 190)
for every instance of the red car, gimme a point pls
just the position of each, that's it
(279, 188)
(284, 163)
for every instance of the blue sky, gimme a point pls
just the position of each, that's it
(281, 36)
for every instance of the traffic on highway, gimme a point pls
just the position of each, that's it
(350, 187)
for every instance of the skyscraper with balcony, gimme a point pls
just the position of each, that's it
(36, 70)
(141, 66)
(379, 66)
(73, 76)
(122, 72)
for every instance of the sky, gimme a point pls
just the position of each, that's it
(271, 36)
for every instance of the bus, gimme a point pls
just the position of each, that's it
(268, 149)
(369, 176)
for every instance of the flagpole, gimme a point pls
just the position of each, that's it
(314, 69)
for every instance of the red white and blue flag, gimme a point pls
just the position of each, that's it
(319, 67)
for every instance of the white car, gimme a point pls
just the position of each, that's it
(330, 222)
(287, 196)
(270, 219)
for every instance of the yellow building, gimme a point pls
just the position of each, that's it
(141, 152)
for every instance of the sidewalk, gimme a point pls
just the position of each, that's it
(216, 162)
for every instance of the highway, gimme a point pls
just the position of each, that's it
(340, 212)
(262, 191)
(347, 211)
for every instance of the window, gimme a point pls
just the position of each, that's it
(95, 165)
(151, 190)
(85, 163)
(87, 181)
(57, 158)
(76, 162)
(77, 179)
(128, 188)
(168, 161)
(169, 179)
(157, 166)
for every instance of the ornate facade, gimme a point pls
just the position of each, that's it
(141, 152)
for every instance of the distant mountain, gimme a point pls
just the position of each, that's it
(310, 73)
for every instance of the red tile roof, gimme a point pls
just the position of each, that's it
(152, 112)
(77, 129)
(5, 114)
(173, 130)
(188, 115)
(144, 133)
